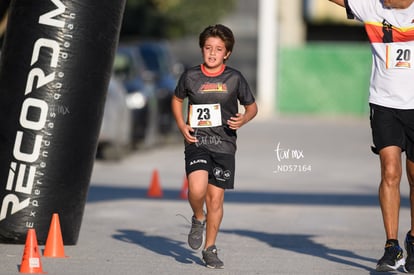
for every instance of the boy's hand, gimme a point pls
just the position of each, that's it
(235, 122)
(188, 133)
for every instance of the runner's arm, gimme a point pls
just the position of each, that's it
(239, 120)
(339, 2)
(185, 129)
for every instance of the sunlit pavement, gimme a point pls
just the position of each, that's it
(305, 202)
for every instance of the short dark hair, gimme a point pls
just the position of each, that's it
(221, 31)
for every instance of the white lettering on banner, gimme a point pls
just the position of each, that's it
(47, 43)
(47, 18)
(34, 103)
(32, 157)
(32, 130)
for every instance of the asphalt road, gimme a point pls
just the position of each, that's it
(305, 203)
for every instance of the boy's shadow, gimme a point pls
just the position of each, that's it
(297, 243)
(304, 244)
(161, 245)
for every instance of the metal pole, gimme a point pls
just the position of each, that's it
(267, 57)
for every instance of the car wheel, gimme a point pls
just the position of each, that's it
(112, 152)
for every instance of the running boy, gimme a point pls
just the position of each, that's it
(213, 90)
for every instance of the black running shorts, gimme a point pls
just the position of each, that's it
(220, 167)
(392, 127)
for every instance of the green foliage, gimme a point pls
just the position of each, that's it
(172, 18)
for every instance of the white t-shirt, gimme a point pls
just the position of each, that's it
(391, 33)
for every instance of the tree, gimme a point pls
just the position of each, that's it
(171, 18)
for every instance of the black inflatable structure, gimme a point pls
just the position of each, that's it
(55, 67)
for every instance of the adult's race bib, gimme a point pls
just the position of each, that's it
(399, 57)
(205, 115)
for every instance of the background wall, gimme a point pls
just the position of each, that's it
(324, 78)
(323, 60)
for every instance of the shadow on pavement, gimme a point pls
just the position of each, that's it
(304, 244)
(158, 244)
(297, 243)
(109, 193)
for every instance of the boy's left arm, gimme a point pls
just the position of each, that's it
(239, 120)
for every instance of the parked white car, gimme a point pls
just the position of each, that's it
(115, 135)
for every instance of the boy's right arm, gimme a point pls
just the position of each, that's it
(176, 107)
(185, 129)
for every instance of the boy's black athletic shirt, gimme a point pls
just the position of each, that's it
(226, 88)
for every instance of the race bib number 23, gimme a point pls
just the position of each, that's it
(205, 115)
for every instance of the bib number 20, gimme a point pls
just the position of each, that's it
(399, 57)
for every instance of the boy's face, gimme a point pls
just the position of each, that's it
(214, 53)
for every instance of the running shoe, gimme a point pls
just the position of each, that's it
(409, 246)
(211, 259)
(393, 258)
(196, 235)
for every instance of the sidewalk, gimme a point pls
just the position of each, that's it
(305, 203)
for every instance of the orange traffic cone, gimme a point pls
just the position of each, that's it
(31, 262)
(184, 189)
(154, 190)
(54, 242)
